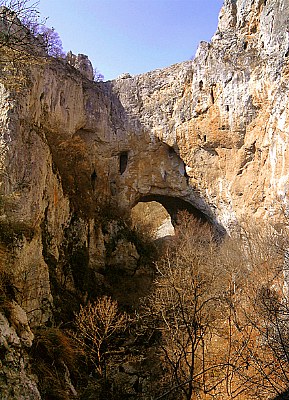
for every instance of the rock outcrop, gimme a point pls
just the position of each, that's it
(82, 63)
(224, 114)
(209, 134)
(16, 379)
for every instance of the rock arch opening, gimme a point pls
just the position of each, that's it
(153, 217)
(159, 213)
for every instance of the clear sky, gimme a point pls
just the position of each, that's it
(132, 36)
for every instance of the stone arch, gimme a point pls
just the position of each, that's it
(174, 204)
(152, 218)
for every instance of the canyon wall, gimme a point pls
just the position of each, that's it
(211, 132)
(224, 113)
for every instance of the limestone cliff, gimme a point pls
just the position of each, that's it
(224, 113)
(210, 134)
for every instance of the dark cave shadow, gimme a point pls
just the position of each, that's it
(131, 123)
(174, 205)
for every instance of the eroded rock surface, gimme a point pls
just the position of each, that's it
(224, 114)
(212, 132)
(16, 379)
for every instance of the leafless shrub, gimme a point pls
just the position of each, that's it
(96, 325)
(51, 41)
(222, 313)
(24, 41)
(186, 307)
(97, 75)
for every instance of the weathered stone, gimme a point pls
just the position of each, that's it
(8, 334)
(210, 132)
(124, 258)
(16, 382)
(125, 384)
(82, 63)
(153, 219)
(18, 319)
(224, 113)
(125, 75)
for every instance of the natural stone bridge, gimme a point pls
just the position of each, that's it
(210, 131)
(210, 135)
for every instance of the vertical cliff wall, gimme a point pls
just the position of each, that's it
(210, 132)
(224, 113)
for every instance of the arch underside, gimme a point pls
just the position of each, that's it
(174, 205)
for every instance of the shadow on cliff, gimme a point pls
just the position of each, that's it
(175, 205)
(189, 198)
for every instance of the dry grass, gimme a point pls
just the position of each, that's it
(55, 362)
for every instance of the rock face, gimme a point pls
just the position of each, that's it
(16, 382)
(211, 133)
(224, 114)
(82, 63)
(153, 217)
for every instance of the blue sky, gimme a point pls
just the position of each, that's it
(132, 36)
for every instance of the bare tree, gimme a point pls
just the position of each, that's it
(257, 364)
(265, 314)
(187, 308)
(96, 326)
(24, 41)
(19, 24)
(223, 314)
(51, 40)
(97, 75)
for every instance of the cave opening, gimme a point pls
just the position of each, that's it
(123, 160)
(93, 178)
(212, 96)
